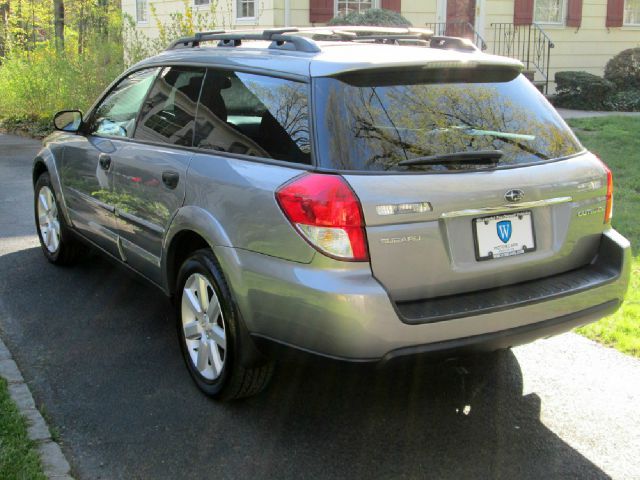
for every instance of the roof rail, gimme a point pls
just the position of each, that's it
(192, 41)
(303, 40)
(453, 43)
(277, 36)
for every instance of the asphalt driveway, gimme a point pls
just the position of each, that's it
(98, 349)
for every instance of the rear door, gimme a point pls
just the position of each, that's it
(87, 165)
(150, 175)
(445, 228)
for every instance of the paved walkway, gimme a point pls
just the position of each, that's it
(566, 113)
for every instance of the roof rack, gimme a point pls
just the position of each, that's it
(278, 37)
(453, 43)
(304, 40)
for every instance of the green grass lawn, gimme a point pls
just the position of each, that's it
(18, 457)
(616, 140)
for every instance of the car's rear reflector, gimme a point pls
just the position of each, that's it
(608, 212)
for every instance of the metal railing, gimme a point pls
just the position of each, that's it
(458, 29)
(527, 43)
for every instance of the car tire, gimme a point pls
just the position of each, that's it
(209, 334)
(58, 244)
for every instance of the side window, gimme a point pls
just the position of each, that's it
(168, 114)
(116, 115)
(254, 115)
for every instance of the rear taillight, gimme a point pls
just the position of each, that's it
(327, 213)
(608, 211)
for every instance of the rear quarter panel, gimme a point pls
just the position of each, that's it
(239, 195)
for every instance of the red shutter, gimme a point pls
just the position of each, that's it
(320, 11)
(523, 12)
(391, 5)
(574, 13)
(615, 12)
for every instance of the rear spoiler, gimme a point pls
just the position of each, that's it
(455, 71)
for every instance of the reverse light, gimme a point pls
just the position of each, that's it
(402, 208)
(327, 213)
(608, 211)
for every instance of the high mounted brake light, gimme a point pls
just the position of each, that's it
(327, 213)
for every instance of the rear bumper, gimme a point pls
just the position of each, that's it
(339, 310)
(606, 267)
(511, 337)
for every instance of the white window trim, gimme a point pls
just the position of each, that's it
(374, 4)
(246, 19)
(138, 21)
(625, 24)
(563, 20)
(201, 6)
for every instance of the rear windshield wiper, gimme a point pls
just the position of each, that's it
(481, 156)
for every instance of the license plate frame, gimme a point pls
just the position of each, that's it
(524, 240)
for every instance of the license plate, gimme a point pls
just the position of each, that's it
(503, 235)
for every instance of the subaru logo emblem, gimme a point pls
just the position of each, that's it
(514, 195)
(504, 230)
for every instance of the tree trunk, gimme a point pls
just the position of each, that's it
(81, 28)
(4, 27)
(58, 23)
(104, 19)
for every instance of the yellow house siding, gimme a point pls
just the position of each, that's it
(419, 12)
(299, 13)
(586, 48)
(269, 12)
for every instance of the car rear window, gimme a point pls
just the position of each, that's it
(374, 125)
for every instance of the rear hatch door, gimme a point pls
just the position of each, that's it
(450, 227)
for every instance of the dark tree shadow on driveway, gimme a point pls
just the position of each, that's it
(100, 353)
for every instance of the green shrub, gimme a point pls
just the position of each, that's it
(582, 91)
(624, 69)
(625, 101)
(38, 83)
(373, 17)
(31, 126)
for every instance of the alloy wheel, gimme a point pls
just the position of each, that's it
(48, 220)
(203, 326)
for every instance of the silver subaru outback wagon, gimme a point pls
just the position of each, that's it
(363, 196)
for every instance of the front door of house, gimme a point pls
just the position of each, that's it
(461, 17)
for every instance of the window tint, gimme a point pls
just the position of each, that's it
(371, 127)
(254, 115)
(116, 115)
(168, 114)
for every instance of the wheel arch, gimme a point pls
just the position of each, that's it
(39, 167)
(45, 162)
(193, 229)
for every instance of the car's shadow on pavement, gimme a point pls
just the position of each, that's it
(99, 350)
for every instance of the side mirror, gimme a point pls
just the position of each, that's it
(68, 120)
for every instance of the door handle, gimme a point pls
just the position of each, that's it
(170, 179)
(105, 161)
